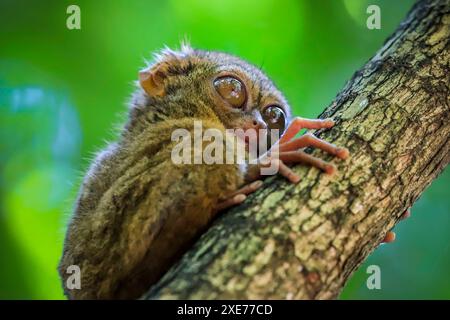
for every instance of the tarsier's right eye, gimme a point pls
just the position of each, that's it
(275, 118)
(231, 90)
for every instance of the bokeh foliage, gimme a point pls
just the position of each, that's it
(62, 91)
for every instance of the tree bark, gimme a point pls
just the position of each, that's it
(304, 241)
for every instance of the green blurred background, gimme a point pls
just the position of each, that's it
(62, 91)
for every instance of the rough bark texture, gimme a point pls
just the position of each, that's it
(304, 241)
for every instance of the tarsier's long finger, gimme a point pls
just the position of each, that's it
(281, 169)
(293, 128)
(301, 157)
(239, 196)
(300, 123)
(287, 172)
(315, 123)
(248, 188)
(230, 202)
(309, 140)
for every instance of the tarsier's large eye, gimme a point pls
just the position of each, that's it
(232, 90)
(275, 118)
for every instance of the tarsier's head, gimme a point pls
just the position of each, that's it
(239, 94)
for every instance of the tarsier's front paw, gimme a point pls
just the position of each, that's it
(290, 151)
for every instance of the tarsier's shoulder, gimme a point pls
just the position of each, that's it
(104, 159)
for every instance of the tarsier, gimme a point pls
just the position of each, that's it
(137, 211)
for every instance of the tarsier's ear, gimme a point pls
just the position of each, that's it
(152, 81)
(152, 78)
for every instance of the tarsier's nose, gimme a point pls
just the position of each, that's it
(255, 122)
(258, 124)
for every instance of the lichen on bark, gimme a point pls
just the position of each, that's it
(303, 241)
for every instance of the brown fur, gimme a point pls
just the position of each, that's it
(137, 211)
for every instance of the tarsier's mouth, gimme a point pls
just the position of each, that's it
(252, 142)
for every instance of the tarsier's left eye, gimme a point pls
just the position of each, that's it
(231, 90)
(275, 118)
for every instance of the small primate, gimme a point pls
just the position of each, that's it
(137, 211)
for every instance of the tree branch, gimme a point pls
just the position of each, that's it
(304, 241)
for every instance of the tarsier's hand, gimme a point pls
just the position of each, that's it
(289, 151)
